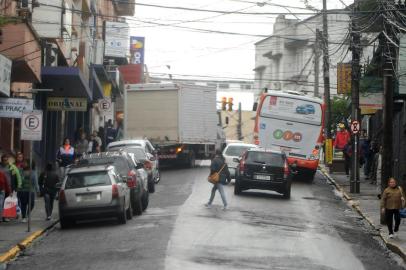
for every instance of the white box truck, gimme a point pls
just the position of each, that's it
(181, 120)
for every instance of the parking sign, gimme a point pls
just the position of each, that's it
(31, 126)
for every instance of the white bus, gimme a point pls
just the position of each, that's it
(291, 123)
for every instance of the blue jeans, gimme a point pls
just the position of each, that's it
(220, 188)
(2, 198)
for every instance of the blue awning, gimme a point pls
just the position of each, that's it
(66, 82)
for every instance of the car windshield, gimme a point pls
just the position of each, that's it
(138, 152)
(268, 158)
(119, 162)
(88, 179)
(236, 150)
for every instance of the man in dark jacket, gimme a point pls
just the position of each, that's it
(47, 182)
(218, 165)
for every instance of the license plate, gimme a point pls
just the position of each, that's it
(262, 177)
(88, 197)
(167, 156)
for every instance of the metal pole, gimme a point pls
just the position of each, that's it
(239, 126)
(30, 193)
(326, 72)
(355, 76)
(316, 63)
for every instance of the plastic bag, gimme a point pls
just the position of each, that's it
(10, 207)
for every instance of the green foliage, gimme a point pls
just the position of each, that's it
(339, 110)
(6, 20)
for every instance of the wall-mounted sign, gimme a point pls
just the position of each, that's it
(5, 74)
(117, 39)
(14, 107)
(137, 48)
(67, 104)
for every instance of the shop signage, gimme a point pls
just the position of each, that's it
(369, 103)
(5, 74)
(137, 48)
(14, 107)
(67, 104)
(117, 43)
(31, 126)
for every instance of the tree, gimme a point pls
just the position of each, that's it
(340, 110)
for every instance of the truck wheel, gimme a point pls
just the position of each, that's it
(192, 160)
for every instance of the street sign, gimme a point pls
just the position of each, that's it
(31, 126)
(355, 127)
(105, 105)
(14, 107)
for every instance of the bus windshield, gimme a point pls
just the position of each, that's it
(292, 109)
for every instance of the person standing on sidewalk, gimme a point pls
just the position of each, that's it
(65, 156)
(4, 192)
(23, 192)
(217, 164)
(47, 182)
(12, 172)
(392, 201)
(82, 145)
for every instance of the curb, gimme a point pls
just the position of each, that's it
(15, 251)
(391, 246)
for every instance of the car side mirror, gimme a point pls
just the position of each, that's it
(236, 160)
(58, 185)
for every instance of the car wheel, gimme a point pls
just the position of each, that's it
(130, 212)
(66, 223)
(286, 192)
(122, 216)
(138, 206)
(145, 201)
(151, 185)
(158, 177)
(237, 187)
(192, 160)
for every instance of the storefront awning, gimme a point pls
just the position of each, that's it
(66, 82)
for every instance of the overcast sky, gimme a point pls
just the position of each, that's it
(216, 56)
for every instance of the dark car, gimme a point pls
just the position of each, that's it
(263, 169)
(126, 167)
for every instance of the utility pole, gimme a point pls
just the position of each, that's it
(316, 62)
(239, 125)
(326, 72)
(388, 69)
(355, 77)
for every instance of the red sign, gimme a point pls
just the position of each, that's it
(355, 127)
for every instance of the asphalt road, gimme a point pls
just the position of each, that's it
(313, 230)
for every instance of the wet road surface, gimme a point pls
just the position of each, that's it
(260, 230)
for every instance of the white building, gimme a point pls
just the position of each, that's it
(286, 60)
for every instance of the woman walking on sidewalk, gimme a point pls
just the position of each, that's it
(219, 165)
(392, 201)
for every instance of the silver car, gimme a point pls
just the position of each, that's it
(93, 191)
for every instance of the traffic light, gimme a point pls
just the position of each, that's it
(230, 104)
(223, 103)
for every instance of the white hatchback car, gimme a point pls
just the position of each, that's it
(235, 150)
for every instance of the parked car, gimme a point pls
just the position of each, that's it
(146, 145)
(263, 169)
(93, 191)
(128, 167)
(235, 150)
(305, 109)
(148, 161)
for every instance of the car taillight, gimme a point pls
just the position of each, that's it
(62, 197)
(114, 191)
(286, 170)
(242, 166)
(132, 179)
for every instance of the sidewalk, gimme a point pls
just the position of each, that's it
(367, 204)
(14, 233)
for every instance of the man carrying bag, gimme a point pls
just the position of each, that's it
(219, 176)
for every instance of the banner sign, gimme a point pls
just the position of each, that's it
(137, 49)
(66, 104)
(31, 126)
(5, 74)
(369, 103)
(344, 78)
(116, 39)
(14, 107)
